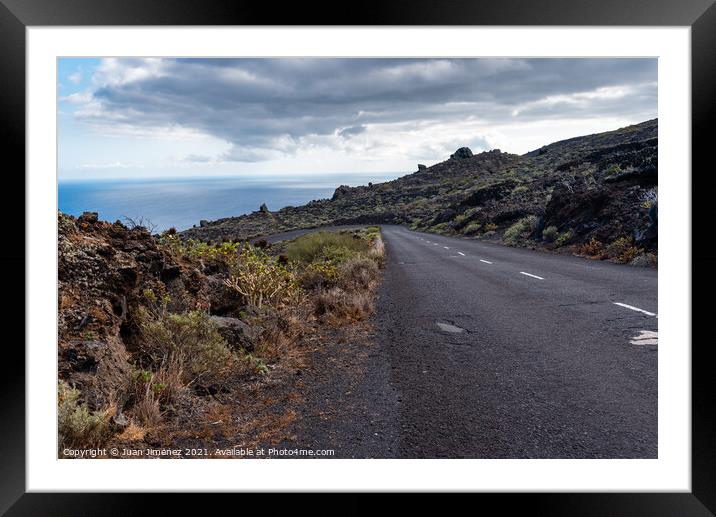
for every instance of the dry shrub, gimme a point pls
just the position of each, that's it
(281, 328)
(310, 279)
(623, 250)
(336, 305)
(377, 251)
(357, 273)
(78, 427)
(593, 248)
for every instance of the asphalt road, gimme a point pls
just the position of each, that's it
(497, 352)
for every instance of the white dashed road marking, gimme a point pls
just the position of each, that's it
(530, 274)
(485, 261)
(645, 337)
(634, 308)
(461, 253)
(446, 247)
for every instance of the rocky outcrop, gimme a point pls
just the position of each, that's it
(263, 208)
(604, 213)
(493, 192)
(461, 154)
(341, 192)
(103, 270)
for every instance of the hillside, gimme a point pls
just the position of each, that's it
(594, 195)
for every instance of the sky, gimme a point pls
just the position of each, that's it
(270, 117)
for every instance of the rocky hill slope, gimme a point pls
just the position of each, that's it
(161, 340)
(585, 194)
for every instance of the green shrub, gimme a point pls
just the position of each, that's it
(550, 233)
(260, 279)
(78, 427)
(490, 227)
(190, 340)
(333, 254)
(310, 247)
(520, 230)
(611, 171)
(318, 274)
(195, 249)
(471, 228)
(564, 238)
(520, 189)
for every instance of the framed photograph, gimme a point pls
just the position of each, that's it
(393, 250)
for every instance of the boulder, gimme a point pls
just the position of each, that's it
(99, 369)
(461, 154)
(263, 208)
(203, 223)
(222, 300)
(238, 334)
(421, 167)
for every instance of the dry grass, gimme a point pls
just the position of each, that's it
(337, 306)
(358, 273)
(147, 409)
(132, 433)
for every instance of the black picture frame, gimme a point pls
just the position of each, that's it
(17, 15)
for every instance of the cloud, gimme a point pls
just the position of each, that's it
(268, 108)
(75, 78)
(352, 131)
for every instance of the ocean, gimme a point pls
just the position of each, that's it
(183, 202)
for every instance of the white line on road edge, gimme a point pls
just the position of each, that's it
(634, 308)
(461, 253)
(485, 261)
(530, 274)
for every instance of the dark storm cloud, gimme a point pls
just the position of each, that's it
(266, 106)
